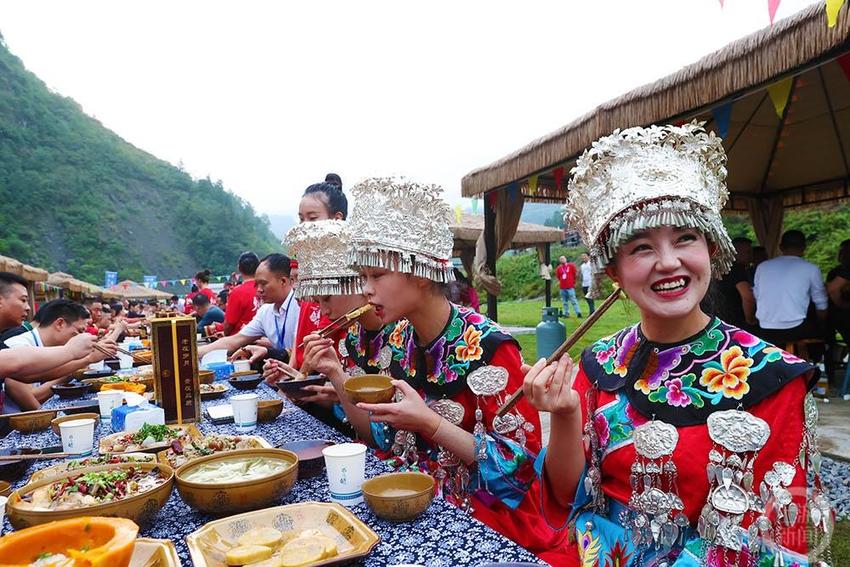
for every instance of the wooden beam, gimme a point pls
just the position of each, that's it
(490, 247)
(547, 259)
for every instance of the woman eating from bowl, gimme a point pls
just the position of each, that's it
(698, 436)
(452, 367)
(321, 248)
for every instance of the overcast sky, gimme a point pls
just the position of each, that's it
(268, 96)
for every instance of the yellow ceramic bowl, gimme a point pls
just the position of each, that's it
(140, 508)
(233, 497)
(54, 425)
(370, 388)
(32, 422)
(268, 410)
(399, 497)
(206, 376)
(5, 488)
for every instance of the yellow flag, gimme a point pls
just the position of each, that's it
(532, 185)
(182, 282)
(457, 213)
(779, 93)
(832, 8)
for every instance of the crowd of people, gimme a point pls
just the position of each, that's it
(682, 440)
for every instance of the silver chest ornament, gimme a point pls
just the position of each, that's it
(737, 438)
(656, 515)
(452, 473)
(817, 502)
(491, 381)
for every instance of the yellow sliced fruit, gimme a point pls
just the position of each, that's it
(268, 537)
(245, 554)
(302, 551)
(328, 544)
(312, 532)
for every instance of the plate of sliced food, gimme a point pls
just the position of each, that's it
(187, 448)
(148, 439)
(214, 390)
(72, 465)
(308, 533)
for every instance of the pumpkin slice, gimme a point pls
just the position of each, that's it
(88, 541)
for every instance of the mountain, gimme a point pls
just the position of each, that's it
(76, 197)
(280, 224)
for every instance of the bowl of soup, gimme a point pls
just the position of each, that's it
(399, 497)
(370, 388)
(237, 481)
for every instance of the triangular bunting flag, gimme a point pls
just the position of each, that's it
(558, 175)
(182, 282)
(779, 94)
(722, 114)
(513, 191)
(772, 6)
(844, 63)
(532, 185)
(458, 213)
(832, 8)
(721, 4)
(475, 206)
(492, 198)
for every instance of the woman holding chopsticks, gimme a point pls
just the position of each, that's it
(452, 367)
(698, 436)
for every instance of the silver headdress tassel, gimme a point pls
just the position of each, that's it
(401, 226)
(643, 178)
(321, 248)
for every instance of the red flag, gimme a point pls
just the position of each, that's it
(492, 199)
(772, 6)
(558, 174)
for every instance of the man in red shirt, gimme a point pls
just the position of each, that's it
(566, 273)
(242, 301)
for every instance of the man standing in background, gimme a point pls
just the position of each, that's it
(566, 273)
(587, 282)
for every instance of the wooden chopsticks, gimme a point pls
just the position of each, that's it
(35, 457)
(122, 351)
(566, 345)
(346, 320)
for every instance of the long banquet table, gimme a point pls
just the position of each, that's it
(443, 536)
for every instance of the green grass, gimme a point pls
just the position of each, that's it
(527, 314)
(841, 544)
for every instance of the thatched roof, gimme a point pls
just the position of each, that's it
(69, 282)
(745, 67)
(29, 273)
(128, 289)
(466, 233)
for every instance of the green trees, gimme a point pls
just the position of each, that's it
(76, 197)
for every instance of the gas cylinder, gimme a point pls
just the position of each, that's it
(550, 332)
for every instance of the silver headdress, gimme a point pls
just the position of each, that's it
(643, 178)
(320, 248)
(401, 226)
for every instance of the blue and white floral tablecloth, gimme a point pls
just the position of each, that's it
(443, 536)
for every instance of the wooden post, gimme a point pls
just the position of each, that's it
(490, 247)
(547, 259)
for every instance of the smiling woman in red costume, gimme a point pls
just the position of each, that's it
(452, 367)
(698, 435)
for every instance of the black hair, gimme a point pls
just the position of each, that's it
(334, 198)
(133, 303)
(248, 262)
(793, 239)
(106, 308)
(203, 276)
(117, 308)
(195, 288)
(461, 277)
(7, 280)
(278, 263)
(174, 298)
(741, 240)
(334, 179)
(70, 311)
(200, 300)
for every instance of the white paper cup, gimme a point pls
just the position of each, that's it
(241, 366)
(125, 361)
(346, 464)
(77, 436)
(108, 401)
(244, 412)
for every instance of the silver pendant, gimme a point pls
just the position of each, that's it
(450, 410)
(655, 439)
(487, 380)
(342, 349)
(385, 358)
(738, 431)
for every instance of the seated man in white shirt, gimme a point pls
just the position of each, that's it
(784, 288)
(55, 323)
(276, 319)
